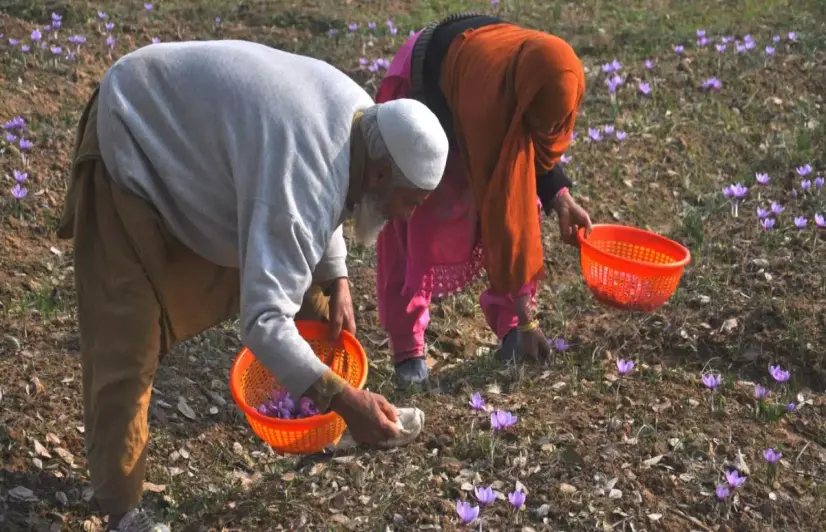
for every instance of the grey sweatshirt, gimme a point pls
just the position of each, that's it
(244, 150)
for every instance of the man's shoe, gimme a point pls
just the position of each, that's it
(136, 520)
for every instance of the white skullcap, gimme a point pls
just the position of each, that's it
(415, 139)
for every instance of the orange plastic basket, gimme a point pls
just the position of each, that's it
(250, 383)
(629, 268)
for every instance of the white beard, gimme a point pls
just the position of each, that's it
(368, 220)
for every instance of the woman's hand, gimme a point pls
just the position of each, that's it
(341, 309)
(571, 218)
(530, 339)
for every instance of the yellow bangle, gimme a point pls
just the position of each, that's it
(528, 326)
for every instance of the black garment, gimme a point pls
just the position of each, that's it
(429, 53)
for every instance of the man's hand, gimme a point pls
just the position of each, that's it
(370, 418)
(341, 309)
(571, 218)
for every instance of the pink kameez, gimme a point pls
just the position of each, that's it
(437, 252)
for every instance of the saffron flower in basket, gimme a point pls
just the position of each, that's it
(282, 406)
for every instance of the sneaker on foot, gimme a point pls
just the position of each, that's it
(136, 520)
(412, 371)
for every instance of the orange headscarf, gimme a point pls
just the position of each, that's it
(514, 94)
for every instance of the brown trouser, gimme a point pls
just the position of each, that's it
(140, 292)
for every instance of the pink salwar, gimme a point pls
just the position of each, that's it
(436, 252)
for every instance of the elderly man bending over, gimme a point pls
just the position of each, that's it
(213, 175)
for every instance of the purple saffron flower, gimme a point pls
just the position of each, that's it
(702, 42)
(353, 27)
(20, 176)
(363, 61)
(701, 33)
(485, 495)
(77, 40)
(56, 50)
(517, 499)
(36, 35)
(625, 367)
(155, 40)
(794, 192)
(102, 15)
(749, 45)
(333, 32)
(762, 179)
(494, 3)
(760, 392)
(726, 39)
(769, 50)
(500, 420)
(614, 83)
(738, 191)
(791, 407)
(477, 402)
(25, 144)
(595, 134)
(110, 42)
(645, 88)
(56, 17)
(10, 138)
(608, 130)
(741, 48)
(806, 184)
(721, 47)
(767, 223)
(559, 344)
(15, 123)
(25, 48)
(467, 513)
(616, 65)
(19, 192)
(371, 25)
(679, 49)
(792, 36)
(734, 479)
(217, 20)
(818, 182)
(109, 26)
(800, 222)
(148, 7)
(388, 23)
(607, 68)
(394, 30)
(722, 491)
(712, 381)
(649, 64)
(574, 135)
(307, 408)
(820, 221)
(264, 410)
(621, 135)
(777, 208)
(804, 170)
(775, 38)
(771, 456)
(712, 84)
(748, 38)
(762, 213)
(13, 42)
(779, 374)
(565, 159)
